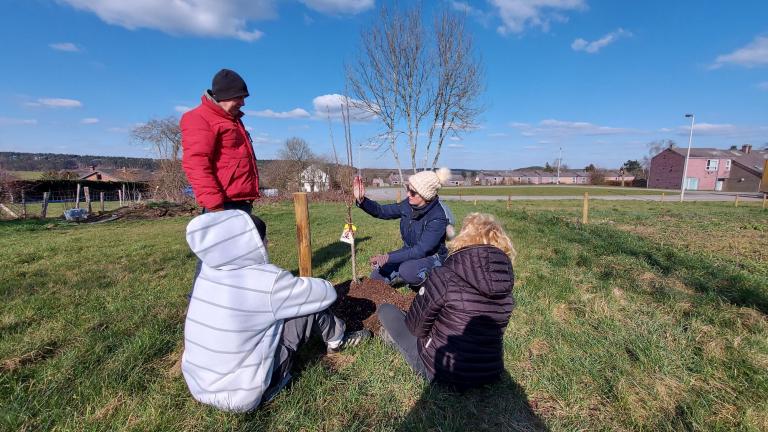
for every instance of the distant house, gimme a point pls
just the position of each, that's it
(489, 179)
(313, 179)
(378, 182)
(455, 180)
(133, 175)
(709, 169)
(616, 176)
(574, 177)
(394, 179)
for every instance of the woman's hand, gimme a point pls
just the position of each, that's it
(358, 189)
(379, 260)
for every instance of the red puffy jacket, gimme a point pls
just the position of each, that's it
(218, 156)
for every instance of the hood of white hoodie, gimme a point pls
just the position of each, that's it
(226, 240)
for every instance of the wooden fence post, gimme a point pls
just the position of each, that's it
(120, 196)
(736, 201)
(87, 193)
(765, 198)
(44, 210)
(509, 202)
(23, 205)
(77, 197)
(303, 233)
(101, 200)
(585, 209)
(475, 203)
(398, 195)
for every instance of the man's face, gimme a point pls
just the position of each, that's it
(232, 106)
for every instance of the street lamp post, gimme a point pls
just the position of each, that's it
(687, 155)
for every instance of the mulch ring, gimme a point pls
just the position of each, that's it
(144, 211)
(357, 303)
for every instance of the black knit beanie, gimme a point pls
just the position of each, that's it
(227, 84)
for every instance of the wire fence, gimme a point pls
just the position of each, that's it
(20, 204)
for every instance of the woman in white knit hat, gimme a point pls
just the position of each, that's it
(424, 221)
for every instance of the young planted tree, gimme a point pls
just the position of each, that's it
(164, 138)
(417, 81)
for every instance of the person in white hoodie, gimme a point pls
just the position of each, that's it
(247, 317)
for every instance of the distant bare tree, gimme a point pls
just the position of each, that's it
(298, 157)
(407, 75)
(164, 137)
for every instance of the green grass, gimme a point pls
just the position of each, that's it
(545, 190)
(634, 322)
(27, 175)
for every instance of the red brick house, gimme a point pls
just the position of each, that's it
(708, 168)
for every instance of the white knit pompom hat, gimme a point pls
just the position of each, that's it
(427, 183)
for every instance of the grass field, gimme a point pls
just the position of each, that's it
(651, 318)
(27, 175)
(546, 190)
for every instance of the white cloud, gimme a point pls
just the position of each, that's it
(455, 138)
(89, 120)
(763, 86)
(334, 7)
(754, 54)
(65, 46)
(330, 105)
(551, 127)
(181, 108)
(56, 103)
(8, 121)
(722, 129)
(595, 46)
(207, 18)
(455, 145)
(292, 114)
(498, 135)
(463, 7)
(517, 15)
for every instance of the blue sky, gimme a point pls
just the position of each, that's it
(599, 79)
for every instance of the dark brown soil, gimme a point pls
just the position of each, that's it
(357, 302)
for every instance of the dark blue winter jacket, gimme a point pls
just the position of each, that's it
(422, 230)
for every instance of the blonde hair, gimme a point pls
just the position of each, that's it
(482, 229)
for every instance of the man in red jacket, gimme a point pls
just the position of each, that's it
(218, 156)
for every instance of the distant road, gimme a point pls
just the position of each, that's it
(602, 193)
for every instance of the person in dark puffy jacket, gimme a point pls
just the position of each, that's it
(425, 222)
(453, 331)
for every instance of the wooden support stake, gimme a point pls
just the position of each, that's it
(475, 203)
(44, 210)
(585, 209)
(765, 198)
(736, 201)
(509, 202)
(662, 196)
(303, 233)
(77, 197)
(120, 196)
(87, 193)
(101, 200)
(23, 205)
(399, 197)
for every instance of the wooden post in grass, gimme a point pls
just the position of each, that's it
(120, 197)
(736, 201)
(303, 237)
(765, 198)
(23, 205)
(77, 197)
(44, 210)
(101, 201)
(662, 196)
(475, 203)
(509, 202)
(87, 193)
(399, 198)
(585, 209)
(460, 198)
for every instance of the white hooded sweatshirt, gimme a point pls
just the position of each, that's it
(235, 317)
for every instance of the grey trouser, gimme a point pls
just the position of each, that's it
(396, 334)
(296, 332)
(413, 272)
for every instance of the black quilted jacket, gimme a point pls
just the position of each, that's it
(460, 315)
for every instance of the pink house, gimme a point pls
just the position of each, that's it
(708, 168)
